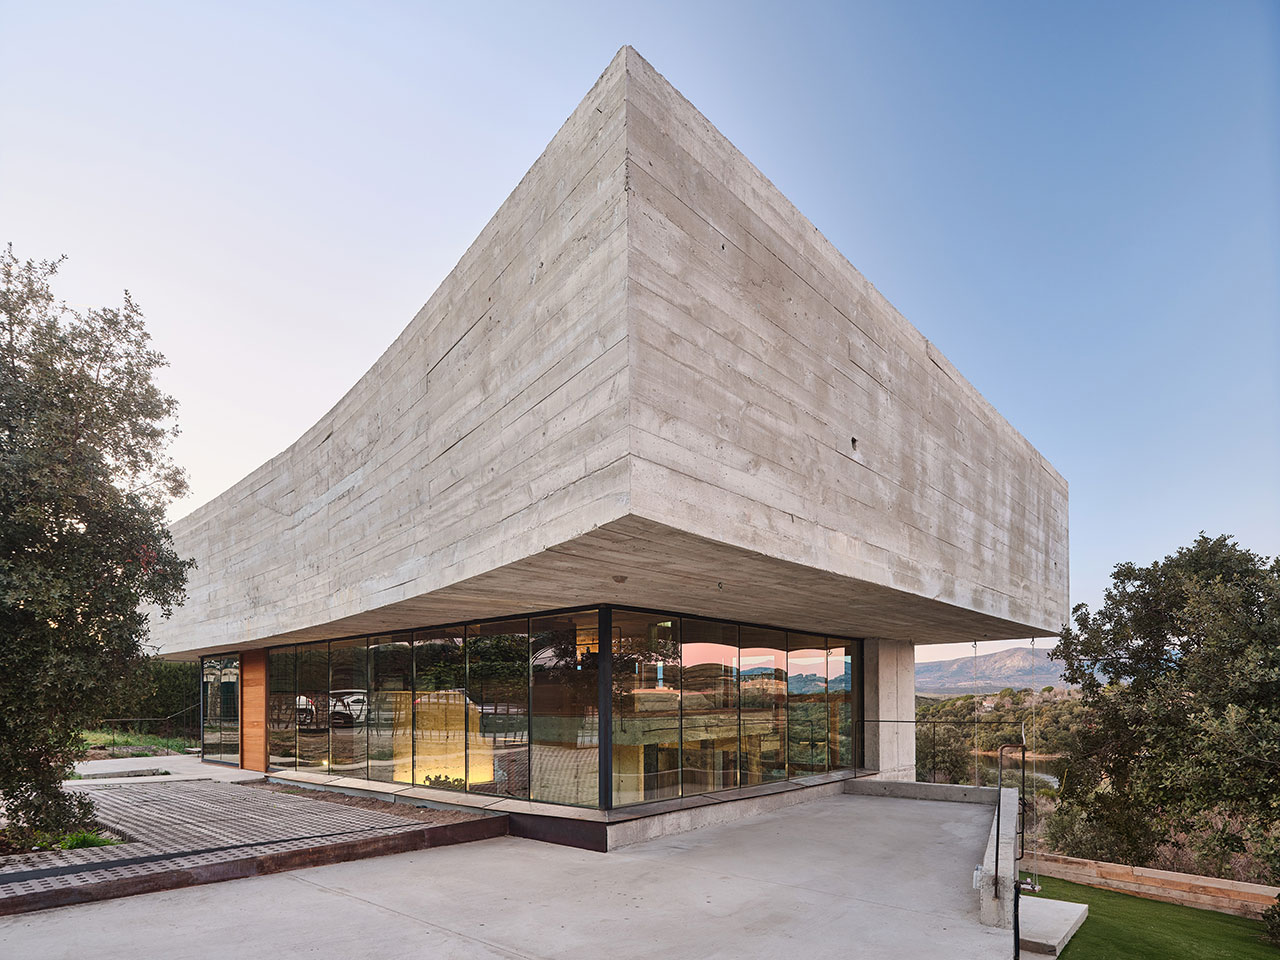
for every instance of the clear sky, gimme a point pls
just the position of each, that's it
(1079, 203)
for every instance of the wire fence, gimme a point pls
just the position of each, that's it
(183, 725)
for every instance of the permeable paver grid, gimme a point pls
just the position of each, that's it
(192, 824)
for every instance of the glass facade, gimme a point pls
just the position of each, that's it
(806, 704)
(441, 712)
(390, 718)
(512, 708)
(763, 677)
(220, 708)
(646, 707)
(708, 706)
(564, 727)
(498, 686)
(282, 706)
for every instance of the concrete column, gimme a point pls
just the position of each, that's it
(890, 696)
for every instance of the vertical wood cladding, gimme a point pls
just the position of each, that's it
(253, 710)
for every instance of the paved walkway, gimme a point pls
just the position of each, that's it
(842, 877)
(193, 831)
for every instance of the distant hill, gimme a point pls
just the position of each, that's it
(1016, 668)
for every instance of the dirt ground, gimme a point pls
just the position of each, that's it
(406, 810)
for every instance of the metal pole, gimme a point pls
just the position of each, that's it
(604, 707)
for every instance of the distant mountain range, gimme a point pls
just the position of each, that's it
(1018, 667)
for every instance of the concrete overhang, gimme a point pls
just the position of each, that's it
(650, 381)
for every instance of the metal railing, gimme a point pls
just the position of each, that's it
(946, 751)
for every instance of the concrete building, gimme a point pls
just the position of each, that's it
(650, 500)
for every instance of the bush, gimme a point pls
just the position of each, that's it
(1271, 920)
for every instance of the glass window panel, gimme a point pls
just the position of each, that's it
(349, 708)
(646, 707)
(390, 721)
(708, 705)
(282, 706)
(498, 685)
(313, 705)
(211, 701)
(859, 727)
(806, 705)
(564, 744)
(839, 704)
(442, 714)
(763, 668)
(230, 709)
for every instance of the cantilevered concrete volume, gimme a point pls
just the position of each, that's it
(651, 385)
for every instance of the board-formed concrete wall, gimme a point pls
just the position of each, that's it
(496, 423)
(758, 353)
(639, 386)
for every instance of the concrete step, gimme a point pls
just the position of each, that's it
(1045, 926)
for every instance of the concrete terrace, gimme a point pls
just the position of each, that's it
(836, 877)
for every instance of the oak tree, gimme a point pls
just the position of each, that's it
(85, 480)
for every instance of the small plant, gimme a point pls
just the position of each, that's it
(448, 783)
(1271, 921)
(84, 838)
(74, 840)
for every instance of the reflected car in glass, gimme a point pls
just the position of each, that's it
(348, 707)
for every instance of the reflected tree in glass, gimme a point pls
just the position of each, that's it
(708, 705)
(498, 687)
(646, 707)
(312, 705)
(564, 753)
(390, 719)
(839, 704)
(442, 713)
(806, 704)
(282, 710)
(763, 665)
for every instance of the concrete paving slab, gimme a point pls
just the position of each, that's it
(177, 764)
(835, 878)
(1045, 925)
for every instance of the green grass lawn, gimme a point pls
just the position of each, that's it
(1131, 928)
(125, 738)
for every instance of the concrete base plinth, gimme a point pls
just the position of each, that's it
(1045, 926)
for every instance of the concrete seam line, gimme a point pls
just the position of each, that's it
(416, 919)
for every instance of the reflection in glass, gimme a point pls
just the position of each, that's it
(230, 709)
(211, 707)
(282, 709)
(348, 708)
(313, 705)
(512, 708)
(763, 665)
(498, 685)
(564, 751)
(441, 712)
(708, 705)
(806, 704)
(220, 708)
(390, 720)
(646, 707)
(839, 703)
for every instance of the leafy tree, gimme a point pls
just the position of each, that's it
(84, 483)
(1180, 672)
